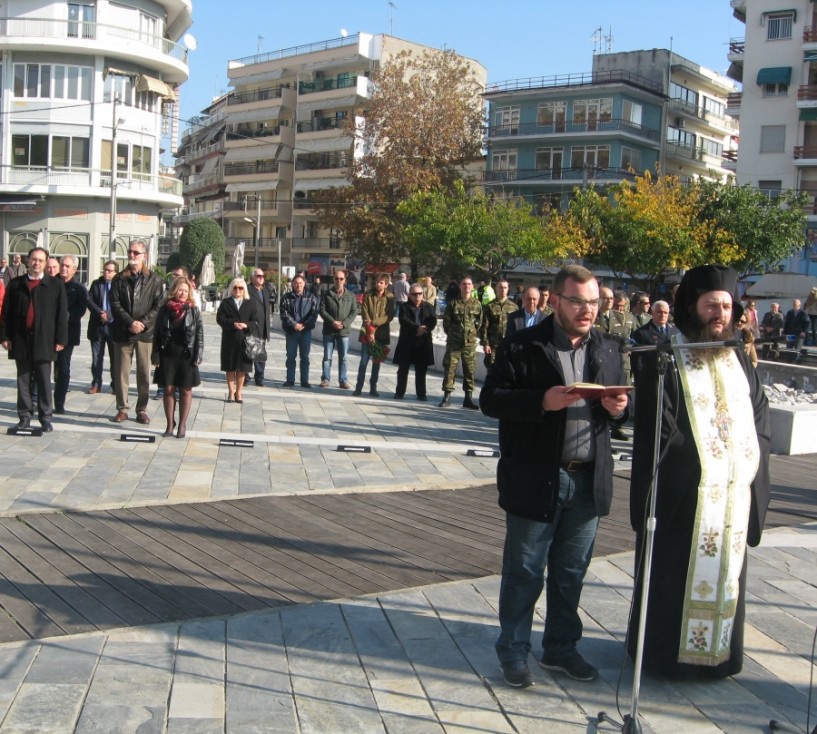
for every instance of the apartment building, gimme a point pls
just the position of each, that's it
(776, 61)
(256, 159)
(88, 89)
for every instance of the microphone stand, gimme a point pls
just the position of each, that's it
(631, 723)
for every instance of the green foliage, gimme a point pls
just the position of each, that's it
(202, 237)
(174, 260)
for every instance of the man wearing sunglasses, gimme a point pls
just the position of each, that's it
(136, 294)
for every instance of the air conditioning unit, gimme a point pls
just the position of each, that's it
(680, 123)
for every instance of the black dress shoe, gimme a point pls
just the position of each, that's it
(289, 383)
(23, 423)
(306, 384)
(47, 427)
(59, 410)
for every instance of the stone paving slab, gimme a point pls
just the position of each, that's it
(419, 660)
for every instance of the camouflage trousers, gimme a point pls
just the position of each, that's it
(468, 355)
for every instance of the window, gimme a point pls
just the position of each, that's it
(123, 88)
(552, 113)
(680, 137)
(595, 156)
(550, 159)
(507, 117)
(149, 29)
(711, 147)
(70, 153)
(631, 158)
(775, 90)
(592, 111)
(686, 95)
(770, 188)
(779, 26)
(772, 138)
(81, 20)
(29, 150)
(142, 156)
(714, 107)
(504, 160)
(122, 158)
(44, 81)
(631, 112)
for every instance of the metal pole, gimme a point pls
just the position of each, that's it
(279, 285)
(112, 229)
(257, 229)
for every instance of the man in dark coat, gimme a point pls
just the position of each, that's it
(657, 330)
(555, 475)
(136, 294)
(77, 299)
(260, 292)
(713, 407)
(796, 324)
(100, 325)
(528, 315)
(414, 346)
(299, 314)
(34, 330)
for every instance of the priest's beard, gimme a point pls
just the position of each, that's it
(700, 331)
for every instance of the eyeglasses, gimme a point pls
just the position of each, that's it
(340, 278)
(258, 275)
(238, 287)
(110, 270)
(135, 252)
(579, 303)
(644, 303)
(416, 293)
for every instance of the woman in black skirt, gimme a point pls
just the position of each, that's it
(238, 315)
(178, 345)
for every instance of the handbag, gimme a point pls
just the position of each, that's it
(254, 349)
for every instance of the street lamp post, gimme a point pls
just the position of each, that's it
(116, 122)
(257, 223)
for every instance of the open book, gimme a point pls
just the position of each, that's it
(589, 390)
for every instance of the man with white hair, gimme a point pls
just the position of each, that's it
(77, 298)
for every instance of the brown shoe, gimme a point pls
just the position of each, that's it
(142, 417)
(120, 417)
(93, 390)
(345, 386)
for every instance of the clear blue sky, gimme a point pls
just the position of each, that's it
(512, 39)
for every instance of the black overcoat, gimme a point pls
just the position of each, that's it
(232, 339)
(50, 318)
(412, 349)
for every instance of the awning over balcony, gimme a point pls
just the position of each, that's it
(809, 114)
(253, 186)
(266, 76)
(252, 153)
(259, 115)
(344, 142)
(774, 75)
(118, 72)
(735, 71)
(304, 108)
(316, 184)
(145, 83)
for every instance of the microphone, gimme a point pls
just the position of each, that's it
(669, 346)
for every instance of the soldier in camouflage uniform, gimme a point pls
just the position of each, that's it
(462, 322)
(495, 320)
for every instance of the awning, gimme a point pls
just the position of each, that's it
(809, 114)
(304, 108)
(735, 71)
(316, 184)
(253, 186)
(774, 75)
(264, 76)
(252, 153)
(147, 83)
(118, 72)
(766, 13)
(810, 56)
(325, 144)
(259, 115)
(387, 268)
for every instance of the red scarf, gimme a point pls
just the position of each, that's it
(177, 309)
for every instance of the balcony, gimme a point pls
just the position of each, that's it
(807, 93)
(733, 102)
(614, 76)
(321, 161)
(257, 95)
(318, 124)
(316, 244)
(560, 128)
(286, 53)
(198, 182)
(117, 39)
(250, 169)
(202, 152)
(701, 114)
(327, 85)
(810, 34)
(737, 47)
(34, 176)
(548, 175)
(805, 155)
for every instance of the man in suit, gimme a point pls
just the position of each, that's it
(657, 331)
(99, 325)
(77, 299)
(34, 330)
(414, 345)
(530, 315)
(259, 291)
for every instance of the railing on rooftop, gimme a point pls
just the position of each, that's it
(295, 51)
(533, 128)
(737, 45)
(575, 80)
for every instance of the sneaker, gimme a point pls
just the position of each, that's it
(517, 674)
(324, 383)
(289, 383)
(572, 665)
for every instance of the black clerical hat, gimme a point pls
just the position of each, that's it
(698, 281)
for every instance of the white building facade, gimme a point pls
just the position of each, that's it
(80, 81)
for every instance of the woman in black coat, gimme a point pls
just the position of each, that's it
(414, 346)
(238, 315)
(178, 346)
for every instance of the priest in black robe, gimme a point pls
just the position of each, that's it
(715, 427)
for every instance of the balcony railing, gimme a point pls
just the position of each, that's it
(295, 51)
(805, 151)
(315, 244)
(733, 99)
(327, 85)
(533, 128)
(205, 150)
(316, 124)
(257, 95)
(576, 80)
(250, 169)
(85, 30)
(576, 173)
(263, 132)
(809, 34)
(198, 182)
(737, 45)
(248, 207)
(317, 161)
(807, 92)
(52, 176)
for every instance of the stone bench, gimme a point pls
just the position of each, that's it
(794, 429)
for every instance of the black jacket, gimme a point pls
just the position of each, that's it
(412, 349)
(530, 440)
(193, 334)
(310, 307)
(50, 318)
(96, 329)
(135, 299)
(77, 298)
(263, 299)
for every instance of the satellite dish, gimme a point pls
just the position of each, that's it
(343, 33)
(190, 41)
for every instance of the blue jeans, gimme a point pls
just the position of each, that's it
(330, 343)
(566, 546)
(298, 341)
(364, 363)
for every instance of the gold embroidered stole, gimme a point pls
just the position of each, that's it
(716, 393)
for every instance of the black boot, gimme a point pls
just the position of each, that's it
(468, 401)
(446, 401)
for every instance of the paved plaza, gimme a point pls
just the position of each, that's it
(418, 659)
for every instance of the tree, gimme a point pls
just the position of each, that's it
(174, 260)
(456, 231)
(202, 237)
(423, 123)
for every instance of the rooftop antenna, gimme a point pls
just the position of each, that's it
(602, 42)
(392, 7)
(260, 43)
